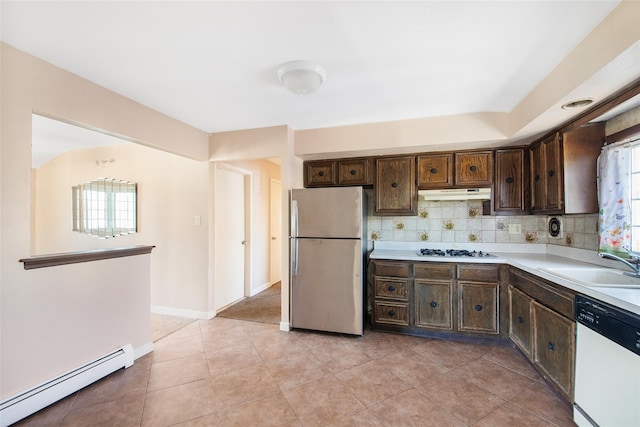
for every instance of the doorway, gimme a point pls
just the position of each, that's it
(262, 302)
(275, 217)
(231, 209)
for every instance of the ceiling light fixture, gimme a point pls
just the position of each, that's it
(580, 103)
(301, 77)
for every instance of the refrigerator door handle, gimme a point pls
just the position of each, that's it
(294, 237)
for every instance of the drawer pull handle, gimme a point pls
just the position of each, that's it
(392, 312)
(394, 184)
(433, 304)
(321, 173)
(537, 178)
(478, 307)
(434, 170)
(391, 288)
(352, 171)
(473, 168)
(551, 346)
(520, 319)
(509, 180)
(551, 172)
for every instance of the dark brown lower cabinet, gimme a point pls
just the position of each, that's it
(478, 307)
(554, 353)
(520, 325)
(542, 325)
(433, 304)
(438, 299)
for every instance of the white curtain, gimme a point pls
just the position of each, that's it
(614, 199)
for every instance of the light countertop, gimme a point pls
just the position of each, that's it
(532, 261)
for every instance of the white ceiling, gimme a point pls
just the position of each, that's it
(212, 64)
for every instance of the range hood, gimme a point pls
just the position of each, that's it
(456, 194)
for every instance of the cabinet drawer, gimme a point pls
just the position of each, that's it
(556, 299)
(429, 270)
(391, 313)
(479, 272)
(386, 287)
(392, 269)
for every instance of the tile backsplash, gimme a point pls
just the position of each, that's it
(463, 222)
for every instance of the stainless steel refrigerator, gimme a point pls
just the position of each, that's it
(328, 246)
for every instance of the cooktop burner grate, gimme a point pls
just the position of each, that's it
(455, 253)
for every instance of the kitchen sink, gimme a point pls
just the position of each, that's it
(600, 277)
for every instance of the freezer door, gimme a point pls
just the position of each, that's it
(327, 286)
(328, 212)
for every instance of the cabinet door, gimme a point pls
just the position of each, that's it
(478, 307)
(319, 173)
(520, 325)
(581, 148)
(510, 195)
(554, 347)
(355, 172)
(395, 188)
(554, 186)
(538, 181)
(435, 171)
(474, 169)
(433, 304)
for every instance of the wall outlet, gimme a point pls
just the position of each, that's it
(515, 228)
(197, 220)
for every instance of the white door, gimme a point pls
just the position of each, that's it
(230, 236)
(275, 245)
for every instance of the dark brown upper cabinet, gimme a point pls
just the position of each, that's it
(395, 186)
(474, 169)
(511, 186)
(546, 175)
(319, 173)
(339, 172)
(581, 148)
(435, 170)
(563, 171)
(355, 171)
(458, 169)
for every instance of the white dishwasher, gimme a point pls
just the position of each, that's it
(607, 377)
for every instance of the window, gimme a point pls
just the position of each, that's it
(635, 197)
(105, 208)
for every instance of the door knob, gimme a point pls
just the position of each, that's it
(244, 242)
(273, 238)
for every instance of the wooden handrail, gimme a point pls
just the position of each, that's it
(51, 260)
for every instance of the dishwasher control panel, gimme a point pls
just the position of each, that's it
(614, 323)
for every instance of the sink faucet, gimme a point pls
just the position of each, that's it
(633, 262)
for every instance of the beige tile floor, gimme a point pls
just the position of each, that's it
(226, 372)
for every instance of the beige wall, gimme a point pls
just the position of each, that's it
(172, 190)
(53, 319)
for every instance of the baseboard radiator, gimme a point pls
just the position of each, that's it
(24, 404)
